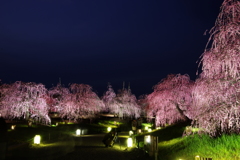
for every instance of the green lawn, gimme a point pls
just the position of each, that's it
(173, 146)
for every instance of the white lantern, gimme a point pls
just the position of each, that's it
(13, 127)
(147, 139)
(130, 133)
(78, 132)
(129, 142)
(109, 129)
(37, 139)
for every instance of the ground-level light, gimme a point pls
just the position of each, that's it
(129, 142)
(139, 131)
(109, 129)
(37, 139)
(78, 132)
(197, 157)
(130, 133)
(13, 127)
(149, 130)
(147, 139)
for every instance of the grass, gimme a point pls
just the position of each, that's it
(172, 146)
(226, 147)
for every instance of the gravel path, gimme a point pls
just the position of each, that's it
(90, 147)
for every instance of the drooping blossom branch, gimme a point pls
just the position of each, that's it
(171, 100)
(123, 104)
(216, 93)
(25, 100)
(108, 98)
(222, 60)
(80, 102)
(57, 97)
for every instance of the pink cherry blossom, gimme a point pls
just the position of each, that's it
(171, 100)
(24, 100)
(217, 91)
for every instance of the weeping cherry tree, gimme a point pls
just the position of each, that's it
(57, 98)
(217, 90)
(108, 98)
(80, 102)
(124, 104)
(24, 100)
(171, 100)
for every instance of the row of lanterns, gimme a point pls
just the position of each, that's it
(37, 138)
(147, 138)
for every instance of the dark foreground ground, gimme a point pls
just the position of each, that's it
(85, 147)
(91, 148)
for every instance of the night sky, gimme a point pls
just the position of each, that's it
(99, 41)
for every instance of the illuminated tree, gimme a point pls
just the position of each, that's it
(108, 98)
(217, 91)
(24, 100)
(124, 104)
(171, 100)
(56, 97)
(3, 92)
(80, 102)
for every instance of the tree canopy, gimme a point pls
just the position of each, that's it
(26, 100)
(216, 93)
(171, 99)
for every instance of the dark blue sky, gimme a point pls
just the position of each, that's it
(100, 41)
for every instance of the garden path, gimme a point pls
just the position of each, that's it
(90, 147)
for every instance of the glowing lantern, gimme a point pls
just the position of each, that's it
(109, 129)
(149, 130)
(147, 139)
(146, 128)
(37, 139)
(139, 131)
(78, 132)
(13, 127)
(130, 133)
(129, 142)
